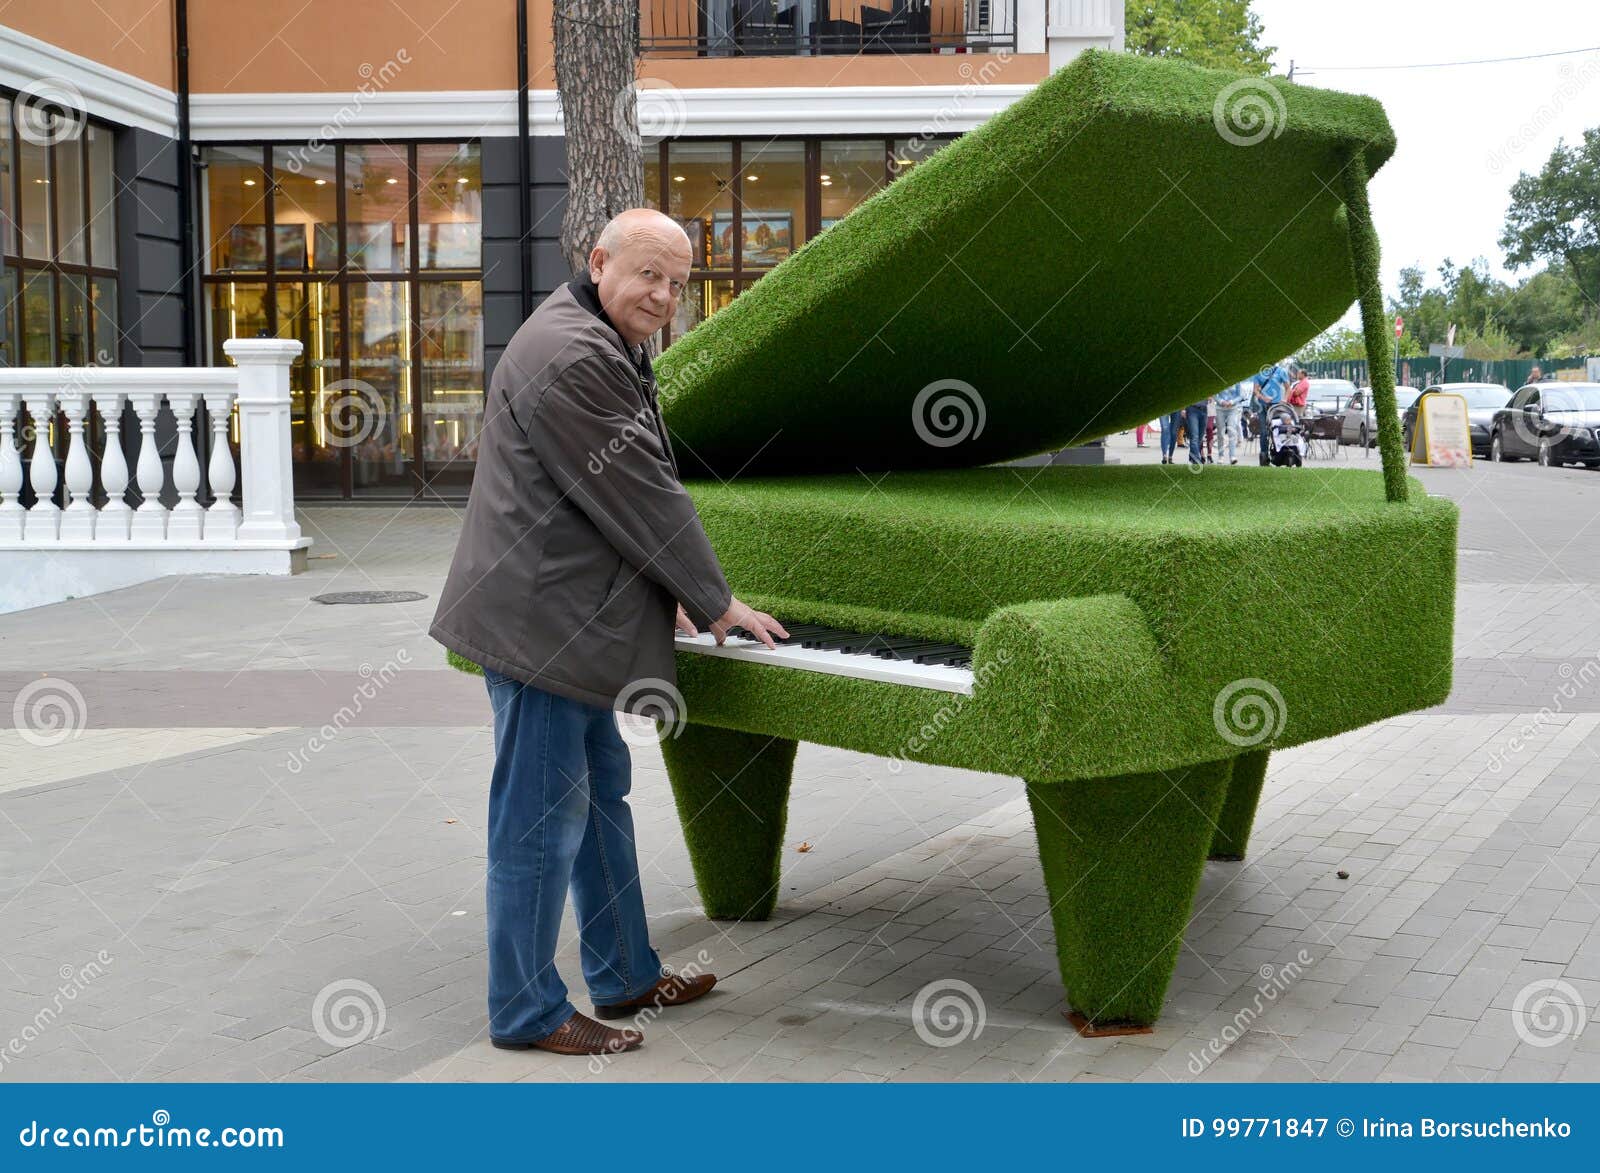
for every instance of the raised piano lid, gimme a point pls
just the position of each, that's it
(1120, 242)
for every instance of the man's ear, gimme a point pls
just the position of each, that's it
(597, 262)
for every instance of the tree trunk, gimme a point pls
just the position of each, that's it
(596, 42)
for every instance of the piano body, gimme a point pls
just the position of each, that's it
(1131, 643)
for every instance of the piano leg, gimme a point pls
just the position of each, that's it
(732, 794)
(1239, 810)
(1122, 860)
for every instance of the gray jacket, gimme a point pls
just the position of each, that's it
(579, 539)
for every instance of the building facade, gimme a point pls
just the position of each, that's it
(352, 174)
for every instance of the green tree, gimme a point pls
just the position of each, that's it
(1220, 34)
(1555, 215)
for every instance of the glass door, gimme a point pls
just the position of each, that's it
(372, 414)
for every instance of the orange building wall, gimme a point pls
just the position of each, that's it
(338, 46)
(135, 36)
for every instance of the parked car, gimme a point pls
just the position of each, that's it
(1483, 400)
(1553, 423)
(1360, 425)
(1327, 396)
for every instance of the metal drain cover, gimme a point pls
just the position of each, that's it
(370, 597)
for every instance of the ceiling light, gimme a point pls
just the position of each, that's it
(825, 177)
(752, 178)
(677, 179)
(321, 182)
(463, 179)
(391, 179)
(249, 183)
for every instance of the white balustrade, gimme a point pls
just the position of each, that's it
(92, 546)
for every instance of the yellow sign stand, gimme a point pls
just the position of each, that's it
(1443, 433)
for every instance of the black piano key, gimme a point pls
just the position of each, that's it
(941, 653)
(832, 640)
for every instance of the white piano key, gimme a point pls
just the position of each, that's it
(862, 667)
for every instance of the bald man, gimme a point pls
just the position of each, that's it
(579, 552)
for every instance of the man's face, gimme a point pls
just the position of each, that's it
(640, 283)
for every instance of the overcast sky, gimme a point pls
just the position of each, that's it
(1466, 132)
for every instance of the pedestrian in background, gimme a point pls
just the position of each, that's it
(1194, 423)
(1229, 402)
(1270, 384)
(1170, 423)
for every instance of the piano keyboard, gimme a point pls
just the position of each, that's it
(812, 647)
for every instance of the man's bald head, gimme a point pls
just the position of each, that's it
(640, 263)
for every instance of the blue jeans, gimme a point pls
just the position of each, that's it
(558, 816)
(1194, 423)
(1169, 432)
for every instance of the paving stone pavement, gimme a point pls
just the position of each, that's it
(230, 831)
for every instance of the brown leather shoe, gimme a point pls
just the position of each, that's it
(579, 1035)
(672, 990)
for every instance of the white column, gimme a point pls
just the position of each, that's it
(44, 518)
(115, 516)
(184, 522)
(11, 511)
(150, 518)
(264, 451)
(77, 519)
(222, 518)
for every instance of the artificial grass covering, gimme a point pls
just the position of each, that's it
(1093, 255)
(1108, 608)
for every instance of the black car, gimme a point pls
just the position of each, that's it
(1483, 400)
(1553, 423)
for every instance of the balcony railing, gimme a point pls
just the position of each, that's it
(803, 28)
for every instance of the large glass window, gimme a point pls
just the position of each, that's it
(375, 266)
(58, 240)
(749, 204)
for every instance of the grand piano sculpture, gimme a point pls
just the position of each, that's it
(1131, 642)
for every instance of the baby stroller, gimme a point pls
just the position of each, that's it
(1286, 440)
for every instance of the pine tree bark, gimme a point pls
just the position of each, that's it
(596, 44)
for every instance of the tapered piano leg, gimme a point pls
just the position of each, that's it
(1122, 860)
(732, 793)
(1239, 809)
